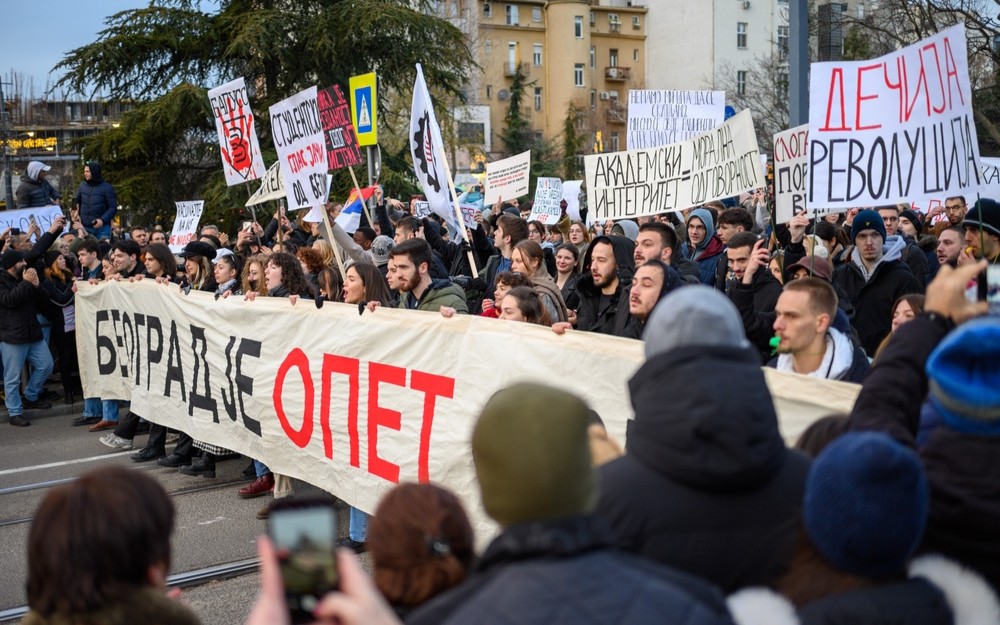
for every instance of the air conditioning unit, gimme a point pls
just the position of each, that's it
(746, 4)
(605, 95)
(612, 72)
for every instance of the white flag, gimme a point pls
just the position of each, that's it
(427, 150)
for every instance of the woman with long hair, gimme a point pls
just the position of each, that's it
(579, 236)
(325, 252)
(364, 283)
(252, 279)
(160, 262)
(567, 259)
(227, 275)
(523, 304)
(529, 259)
(60, 310)
(198, 257)
(903, 311)
(331, 284)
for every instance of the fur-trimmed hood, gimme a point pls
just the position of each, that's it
(970, 600)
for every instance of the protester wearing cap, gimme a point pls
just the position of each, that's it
(554, 561)
(874, 278)
(198, 272)
(703, 245)
(982, 231)
(961, 455)
(21, 338)
(808, 342)
(863, 517)
(707, 484)
(381, 247)
(34, 189)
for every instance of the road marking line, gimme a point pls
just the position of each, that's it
(64, 463)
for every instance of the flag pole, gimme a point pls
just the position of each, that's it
(458, 211)
(364, 202)
(333, 244)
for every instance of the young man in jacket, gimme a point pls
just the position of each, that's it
(417, 290)
(34, 189)
(604, 294)
(752, 287)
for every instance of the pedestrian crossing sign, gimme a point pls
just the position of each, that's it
(364, 107)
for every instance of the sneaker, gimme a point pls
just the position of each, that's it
(19, 421)
(38, 404)
(148, 454)
(117, 442)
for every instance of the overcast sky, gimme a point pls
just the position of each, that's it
(38, 34)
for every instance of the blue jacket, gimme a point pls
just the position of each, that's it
(96, 198)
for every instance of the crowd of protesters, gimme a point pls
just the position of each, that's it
(885, 515)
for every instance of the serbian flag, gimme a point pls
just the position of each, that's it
(350, 217)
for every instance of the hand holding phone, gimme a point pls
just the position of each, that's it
(304, 532)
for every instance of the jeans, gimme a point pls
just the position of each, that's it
(260, 468)
(102, 233)
(14, 356)
(358, 529)
(92, 407)
(109, 410)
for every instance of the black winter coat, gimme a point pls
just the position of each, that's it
(611, 315)
(96, 198)
(963, 470)
(707, 484)
(565, 572)
(756, 302)
(18, 320)
(33, 193)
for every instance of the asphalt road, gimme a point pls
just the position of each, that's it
(214, 526)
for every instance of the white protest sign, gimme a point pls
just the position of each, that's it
(507, 178)
(791, 163)
(185, 227)
(571, 193)
(368, 402)
(548, 197)
(234, 122)
(21, 218)
(662, 116)
(272, 187)
(894, 129)
(301, 145)
(989, 169)
(717, 164)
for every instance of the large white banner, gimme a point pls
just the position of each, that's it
(507, 178)
(301, 144)
(898, 128)
(234, 122)
(186, 222)
(353, 404)
(720, 163)
(663, 116)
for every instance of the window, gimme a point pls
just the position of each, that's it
(593, 99)
(536, 55)
(512, 18)
(613, 57)
(593, 19)
(578, 75)
(635, 54)
(538, 98)
(593, 57)
(578, 26)
(536, 14)
(741, 82)
(741, 35)
(487, 9)
(488, 47)
(489, 92)
(472, 132)
(861, 10)
(614, 22)
(614, 142)
(635, 22)
(782, 41)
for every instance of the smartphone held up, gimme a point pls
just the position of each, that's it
(304, 533)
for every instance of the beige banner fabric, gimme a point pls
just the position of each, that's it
(353, 403)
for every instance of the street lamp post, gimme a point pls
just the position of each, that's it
(5, 138)
(798, 62)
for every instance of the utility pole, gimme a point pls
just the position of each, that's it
(798, 62)
(5, 139)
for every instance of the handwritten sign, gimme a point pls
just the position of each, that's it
(548, 196)
(791, 164)
(301, 145)
(894, 129)
(234, 122)
(507, 178)
(272, 187)
(662, 116)
(185, 227)
(341, 142)
(717, 164)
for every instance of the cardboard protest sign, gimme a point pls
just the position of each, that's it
(301, 144)
(341, 142)
(364, 404)
(272, 187)
(571, 193)
(989, 169)
(548, 197)
(507, 178)
(663, 116)
(717, 164)
(898, 128)
(234, 121)
(21, 219)
(185, 227)
(791, 163)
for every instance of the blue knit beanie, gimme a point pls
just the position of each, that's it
(867, 220)
(964, 373)
(866, 504)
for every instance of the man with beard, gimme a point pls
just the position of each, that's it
(950, 246)
(651, 283)
(417, 290)
(604, 297)
(955, 208)
(21, 338)
(658, 240)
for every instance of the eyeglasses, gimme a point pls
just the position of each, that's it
(697, 227)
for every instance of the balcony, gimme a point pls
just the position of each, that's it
(617, 73)
(510, 69)
(617, 113)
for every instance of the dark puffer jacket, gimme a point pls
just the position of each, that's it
(96, 198)
(707, 484)
(567, 571)
(607, 315)
(18, 321)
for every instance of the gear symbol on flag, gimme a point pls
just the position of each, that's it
(423, 153)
